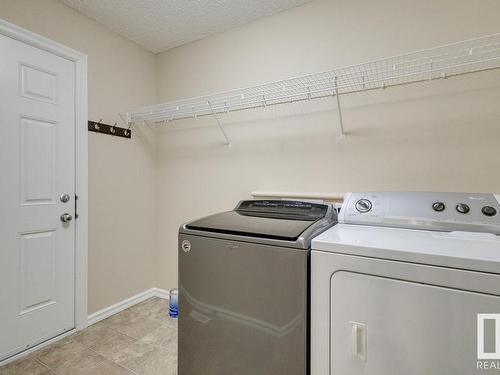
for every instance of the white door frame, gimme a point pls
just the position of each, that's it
(81, 155)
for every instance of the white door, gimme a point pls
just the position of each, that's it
(37, 166)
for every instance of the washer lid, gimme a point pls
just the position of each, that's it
(246, 224)
(464, 250)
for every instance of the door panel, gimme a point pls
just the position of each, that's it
(37, 270)
(37, 161)
(38, 84)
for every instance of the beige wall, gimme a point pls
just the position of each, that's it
(432, 136)
(122, 190)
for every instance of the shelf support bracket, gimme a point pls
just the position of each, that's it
(227, 142)
(341, 121)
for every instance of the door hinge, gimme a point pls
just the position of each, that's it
(76, 206)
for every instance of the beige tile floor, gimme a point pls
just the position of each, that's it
(140, 340)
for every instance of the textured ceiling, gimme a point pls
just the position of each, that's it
(159, 25)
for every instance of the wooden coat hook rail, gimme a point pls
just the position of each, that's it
(99, 127)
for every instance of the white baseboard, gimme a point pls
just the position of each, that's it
(160, 293)
(125, 304)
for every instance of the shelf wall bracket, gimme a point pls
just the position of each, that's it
(227, 142)
(341, 120)
(125, 117)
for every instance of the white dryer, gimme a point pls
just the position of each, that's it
(397, 286)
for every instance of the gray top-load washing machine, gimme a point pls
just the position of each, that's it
(243, 288)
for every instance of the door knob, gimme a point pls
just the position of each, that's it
(66, 217)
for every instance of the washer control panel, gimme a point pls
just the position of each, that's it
(463, 208)
(429, 211)
(363, 205)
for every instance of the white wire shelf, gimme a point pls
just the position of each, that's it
(468, 56)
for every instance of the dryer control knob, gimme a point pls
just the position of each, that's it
(489, 211)
(363, 205)
(463, 208)
(438, 206)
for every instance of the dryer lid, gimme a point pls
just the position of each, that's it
(464, 250)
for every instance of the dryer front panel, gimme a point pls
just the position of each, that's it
(383, 326)
(381, 317)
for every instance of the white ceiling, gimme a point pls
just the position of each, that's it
(159, 25)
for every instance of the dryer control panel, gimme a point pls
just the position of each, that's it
(427, 211)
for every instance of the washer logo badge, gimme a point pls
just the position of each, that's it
(186, 246)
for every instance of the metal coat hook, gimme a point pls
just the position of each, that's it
(99, 127)
(127, 132)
